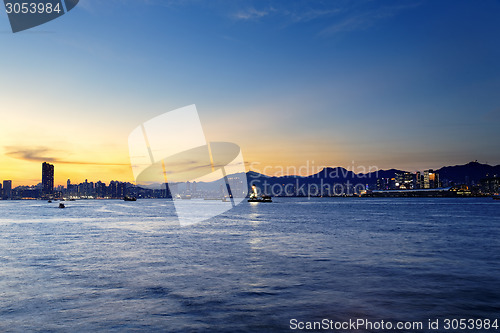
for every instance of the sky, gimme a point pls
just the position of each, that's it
(392, 84)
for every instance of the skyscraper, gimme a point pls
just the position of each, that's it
(431, 179)
(7, 189)
(418, 180)
(47, 178)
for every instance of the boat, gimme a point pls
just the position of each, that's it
(496, 197)
(125, 198)
(50, 201)
(263, 198)
(61, 205)
(254, 197)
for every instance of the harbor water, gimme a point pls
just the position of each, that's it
(115, 266)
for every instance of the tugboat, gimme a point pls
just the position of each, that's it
(126, 198)
(254, 197)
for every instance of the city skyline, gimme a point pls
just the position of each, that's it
(471, 179)
(47, 183)
(405, 84)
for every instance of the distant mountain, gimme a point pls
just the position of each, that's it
(459, 174)
(470, 172)
(327, 175)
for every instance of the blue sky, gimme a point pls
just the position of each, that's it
(405, 84)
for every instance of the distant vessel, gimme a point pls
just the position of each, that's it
(254, 197)
(264, 198)
(496, 197)
(125, 198)
(215, 198)
(184, 197)
(61, 205)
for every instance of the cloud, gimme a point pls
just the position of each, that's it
(342, 16)
(251, 14)
(354, 20)
(295, 15)
(312, 14)
(353, 23)
(46, 154)
(37, 154)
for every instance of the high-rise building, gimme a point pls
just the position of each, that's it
(427, 182)
(404, 180)
(47, 178)
(117, 189)
(431, 179)
(100, 189)
(7, 189)
(87, 189)
(418, 180)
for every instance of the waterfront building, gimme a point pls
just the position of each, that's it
(404, 181)
(47, 179)
(418, 183)
(431, 179)
(490, 185)
(7, 190)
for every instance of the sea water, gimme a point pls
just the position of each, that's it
(110, 265)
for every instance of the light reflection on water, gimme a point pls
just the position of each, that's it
(115, 266)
